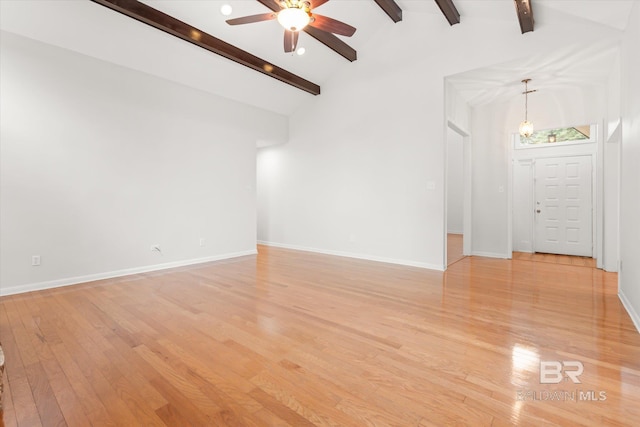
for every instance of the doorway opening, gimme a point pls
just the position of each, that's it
(458, 195)
(554, 196)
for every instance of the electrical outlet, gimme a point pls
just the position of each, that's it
(202, 241)
(155, 248)
(35, 260)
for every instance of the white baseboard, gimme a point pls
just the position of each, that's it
(354, 255)
(12, 290)
(635, 318)
(491, 254)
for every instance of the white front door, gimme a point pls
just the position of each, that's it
(563, 208)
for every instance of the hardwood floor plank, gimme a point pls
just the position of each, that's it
(144, 392)
(24, 405)
(289, 338)
(6, 334)
(93, 373)
(182, 406)
(280, 409)
(44, 398)
(235, 388)
(69, 403)
(16, 346)
(268, 418)
(556, 259)
(307, 405)
(454, 248)
(201, 404)
(93, 407)
(170, 415)
(65, 408)
(229, 410)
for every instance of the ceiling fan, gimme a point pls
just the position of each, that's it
(294, 16)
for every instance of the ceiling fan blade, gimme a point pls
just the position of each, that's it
(317, 3)
(290, 40)
(252, 18)
(331, 25)
(271, 4)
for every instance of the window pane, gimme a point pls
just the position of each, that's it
(552, 136)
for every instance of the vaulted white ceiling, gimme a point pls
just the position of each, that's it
(559, 66)
(94, 30)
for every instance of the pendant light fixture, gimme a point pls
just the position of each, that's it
(526, 127)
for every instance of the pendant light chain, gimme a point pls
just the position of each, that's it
(526, 101)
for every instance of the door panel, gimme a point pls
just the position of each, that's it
(563, 206)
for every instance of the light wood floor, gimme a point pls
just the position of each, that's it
(300, 339)
(556, 259)
(454, 248)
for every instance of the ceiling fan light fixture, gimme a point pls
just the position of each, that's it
(293, 18)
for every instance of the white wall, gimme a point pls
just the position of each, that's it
(630, 180)
(522, 205)
(611, 194)
(490, 130)
(611, 165)
(363, 172)
(99, 162)
(455, 182)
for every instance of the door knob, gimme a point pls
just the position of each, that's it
(538, 210)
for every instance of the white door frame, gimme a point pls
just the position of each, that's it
(466, 207)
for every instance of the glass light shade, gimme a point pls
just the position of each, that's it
(526, 129)
(293, 19)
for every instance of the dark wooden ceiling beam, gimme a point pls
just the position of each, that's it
(167, 23)
(328, 39)
(525, 15)
(332, 42)
(391, 8)
(449, 11)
